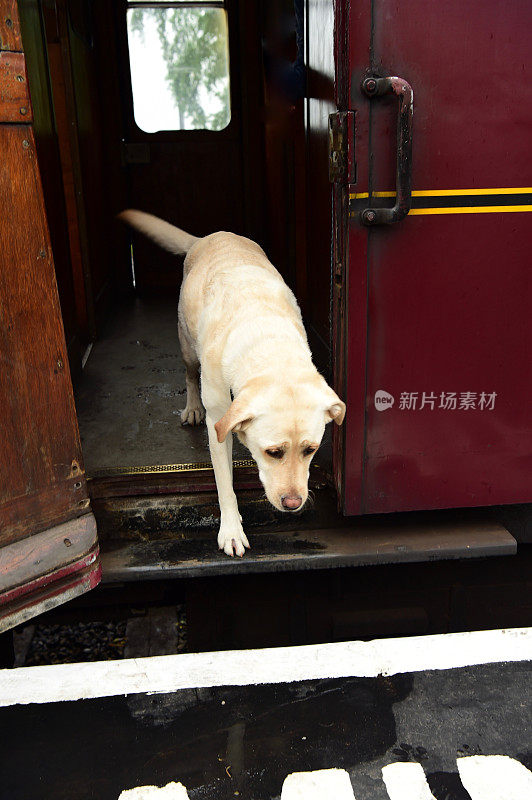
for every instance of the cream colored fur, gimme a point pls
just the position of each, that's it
(239, 320)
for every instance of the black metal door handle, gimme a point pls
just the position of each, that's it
(377, 87)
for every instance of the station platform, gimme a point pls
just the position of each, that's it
(444, 717)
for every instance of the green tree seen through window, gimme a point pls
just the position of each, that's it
(194, 47)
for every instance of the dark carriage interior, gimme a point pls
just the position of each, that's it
(250, 157)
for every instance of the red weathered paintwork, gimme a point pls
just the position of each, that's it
(80, 577)
(51, 578)
(441, 303)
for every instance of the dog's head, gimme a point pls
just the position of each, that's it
(282, 426)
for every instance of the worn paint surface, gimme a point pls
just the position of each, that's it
(172, 791)
(318, 784)
(29, 564)
(495, 778)
(52, 590)
(49, 684)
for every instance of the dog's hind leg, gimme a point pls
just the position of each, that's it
(193, 413)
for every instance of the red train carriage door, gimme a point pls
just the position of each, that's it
(437, 300)
(48, 544)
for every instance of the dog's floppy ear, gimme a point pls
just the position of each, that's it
(335, 409)
(236, 418)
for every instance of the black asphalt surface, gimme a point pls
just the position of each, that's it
(243, 741)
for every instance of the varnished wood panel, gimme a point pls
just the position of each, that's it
(84, 98)
(67, 157)
(45, 130)
(14, 98)
(9, 26)
(41, 475)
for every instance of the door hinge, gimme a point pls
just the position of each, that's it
(341, 147)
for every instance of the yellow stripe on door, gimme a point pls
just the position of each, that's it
(445, 192)
(471, 209)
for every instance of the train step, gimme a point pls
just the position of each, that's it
(191, 554)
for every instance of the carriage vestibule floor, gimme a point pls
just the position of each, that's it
(132, 391)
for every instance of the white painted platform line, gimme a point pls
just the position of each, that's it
(495, 778)
(406, 781)
(272, 665)
(172, 791)
(333, 784)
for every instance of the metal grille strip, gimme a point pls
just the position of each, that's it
(202, 466)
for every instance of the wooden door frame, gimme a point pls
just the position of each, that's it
(48, 544)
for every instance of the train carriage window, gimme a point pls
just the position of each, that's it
(179, 62)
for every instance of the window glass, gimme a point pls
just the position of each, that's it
(179, 65)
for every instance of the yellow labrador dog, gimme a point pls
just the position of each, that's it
(239, 322)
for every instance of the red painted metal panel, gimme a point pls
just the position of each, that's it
(470, 67)
(351, 383)
(448, 294)
(449, 314)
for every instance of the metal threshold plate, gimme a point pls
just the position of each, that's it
(155, 469)
(196, 554)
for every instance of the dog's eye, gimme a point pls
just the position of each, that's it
(275, 453)
(308, 451)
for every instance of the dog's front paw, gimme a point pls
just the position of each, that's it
(232, 540)
(192, 415)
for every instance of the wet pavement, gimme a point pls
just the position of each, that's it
(226, 742)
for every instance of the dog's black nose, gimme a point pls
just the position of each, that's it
(291, 501)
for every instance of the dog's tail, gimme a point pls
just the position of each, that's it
(165, 235)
